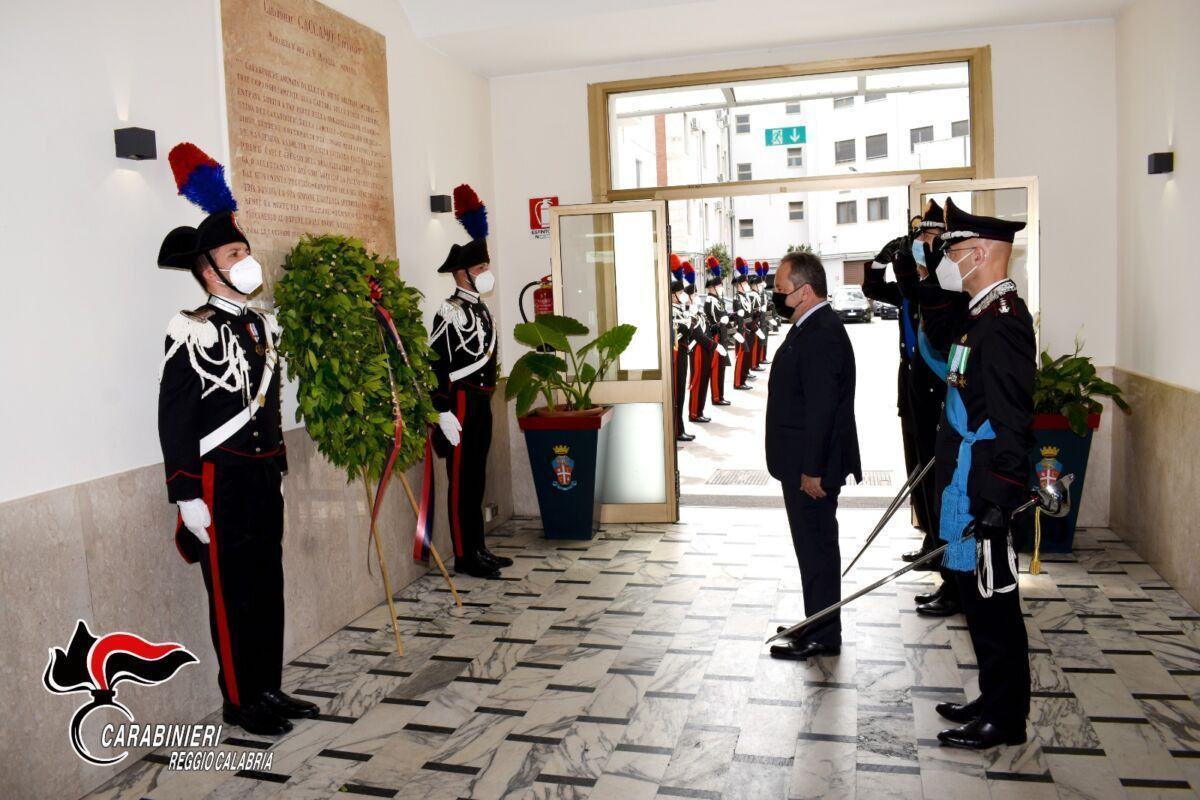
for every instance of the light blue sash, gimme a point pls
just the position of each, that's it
(956, 505)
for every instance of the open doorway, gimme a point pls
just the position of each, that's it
(725, 464)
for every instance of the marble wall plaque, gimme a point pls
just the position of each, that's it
(309, 140)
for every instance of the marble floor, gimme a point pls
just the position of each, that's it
(633, 666)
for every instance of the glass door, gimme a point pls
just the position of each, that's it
(609, 265)
(1006, 198)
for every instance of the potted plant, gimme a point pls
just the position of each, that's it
(565, 440)
(1066, 413)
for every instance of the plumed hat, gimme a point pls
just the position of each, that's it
(933, 218)
(676, 273)
(202, 181)
(470, 211)
(713, 267)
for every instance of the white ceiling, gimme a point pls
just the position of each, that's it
(506, 37)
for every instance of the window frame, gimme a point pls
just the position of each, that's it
(749, 165)
(792, 210)
(741, 227)
(797, 151)
(978, 62)
(954, 135)
(837, 212)
(912, 143)
(854, 152)
(886, 208)
(839, 103)
(867, 146)
(787, 107)
(738, 123)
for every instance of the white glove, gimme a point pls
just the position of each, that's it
(690, 346)
(721, 350)
(725, 320)
(451, 428)
(196, 518)
(737, 337)
(741, 313)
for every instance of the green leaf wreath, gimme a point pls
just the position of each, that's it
(333, 345)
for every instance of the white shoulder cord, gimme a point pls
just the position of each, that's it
(188, 335)
(471, 335)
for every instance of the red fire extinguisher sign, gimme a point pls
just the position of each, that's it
(539, 216)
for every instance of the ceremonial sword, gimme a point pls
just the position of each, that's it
(1054, 500)
(907, 489)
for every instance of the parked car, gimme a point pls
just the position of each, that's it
(851, 304)
(886, 310)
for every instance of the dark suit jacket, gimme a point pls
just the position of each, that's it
(810, 404)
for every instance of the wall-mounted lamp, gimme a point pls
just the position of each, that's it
(1158, 163)
(135, 143)
(440, 203)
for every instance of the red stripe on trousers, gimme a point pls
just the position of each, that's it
(694, 384)
(225, 644)
(455, 465)
(713, 380)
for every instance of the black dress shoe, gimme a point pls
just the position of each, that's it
(701, 420)
(476, 568)
(742, 388)
(289, 707)
(500, 561)
(722, 403)
(962, 713)
(929, 597)
(908, 558)
(940, 607)
(685, 437)
(796, 650)
(980, 735)
(256, 718)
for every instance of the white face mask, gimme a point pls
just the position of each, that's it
(485, 282)
(949, 276)
(246, 275)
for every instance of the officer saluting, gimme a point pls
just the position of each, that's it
(983, 469)
(464, 339)
(222, 443)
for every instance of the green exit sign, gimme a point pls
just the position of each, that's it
(785, 136)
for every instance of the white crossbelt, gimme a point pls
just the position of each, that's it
(467, 370)
(243, 417)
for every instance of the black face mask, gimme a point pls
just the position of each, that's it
(779, 300)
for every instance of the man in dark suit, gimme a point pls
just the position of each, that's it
(812, 440)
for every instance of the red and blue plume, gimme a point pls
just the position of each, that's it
(201, 179)
(760, 269)
(676, 262)
(713, 265)
(741, 266)
(689, 272)
(470, 211)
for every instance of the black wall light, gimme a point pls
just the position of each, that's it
(1158, 163)
(440, 203)
(135, 143)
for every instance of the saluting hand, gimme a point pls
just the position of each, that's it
(811, 486)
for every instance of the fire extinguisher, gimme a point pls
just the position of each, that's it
(543, 302)
(543, 297)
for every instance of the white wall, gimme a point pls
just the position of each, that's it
(1159, 272)
(1055, 117)
(81, 338)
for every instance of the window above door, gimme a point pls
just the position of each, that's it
(765, 115)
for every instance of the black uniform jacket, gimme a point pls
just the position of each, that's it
(915, 381)
(464, 339)
(997, 385)
(810, 404)
(229, 346)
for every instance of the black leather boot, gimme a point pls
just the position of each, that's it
(499, 561)
(476, 567)
(256, 718)
(289, 707)
(980, 735)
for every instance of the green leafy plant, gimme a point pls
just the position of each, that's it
(721, 253)
(543, 371)
(332, 344)
(1068, 385)
(801, 248)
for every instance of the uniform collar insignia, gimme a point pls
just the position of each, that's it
(467, 294)
(227, 305)
(997, 292)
